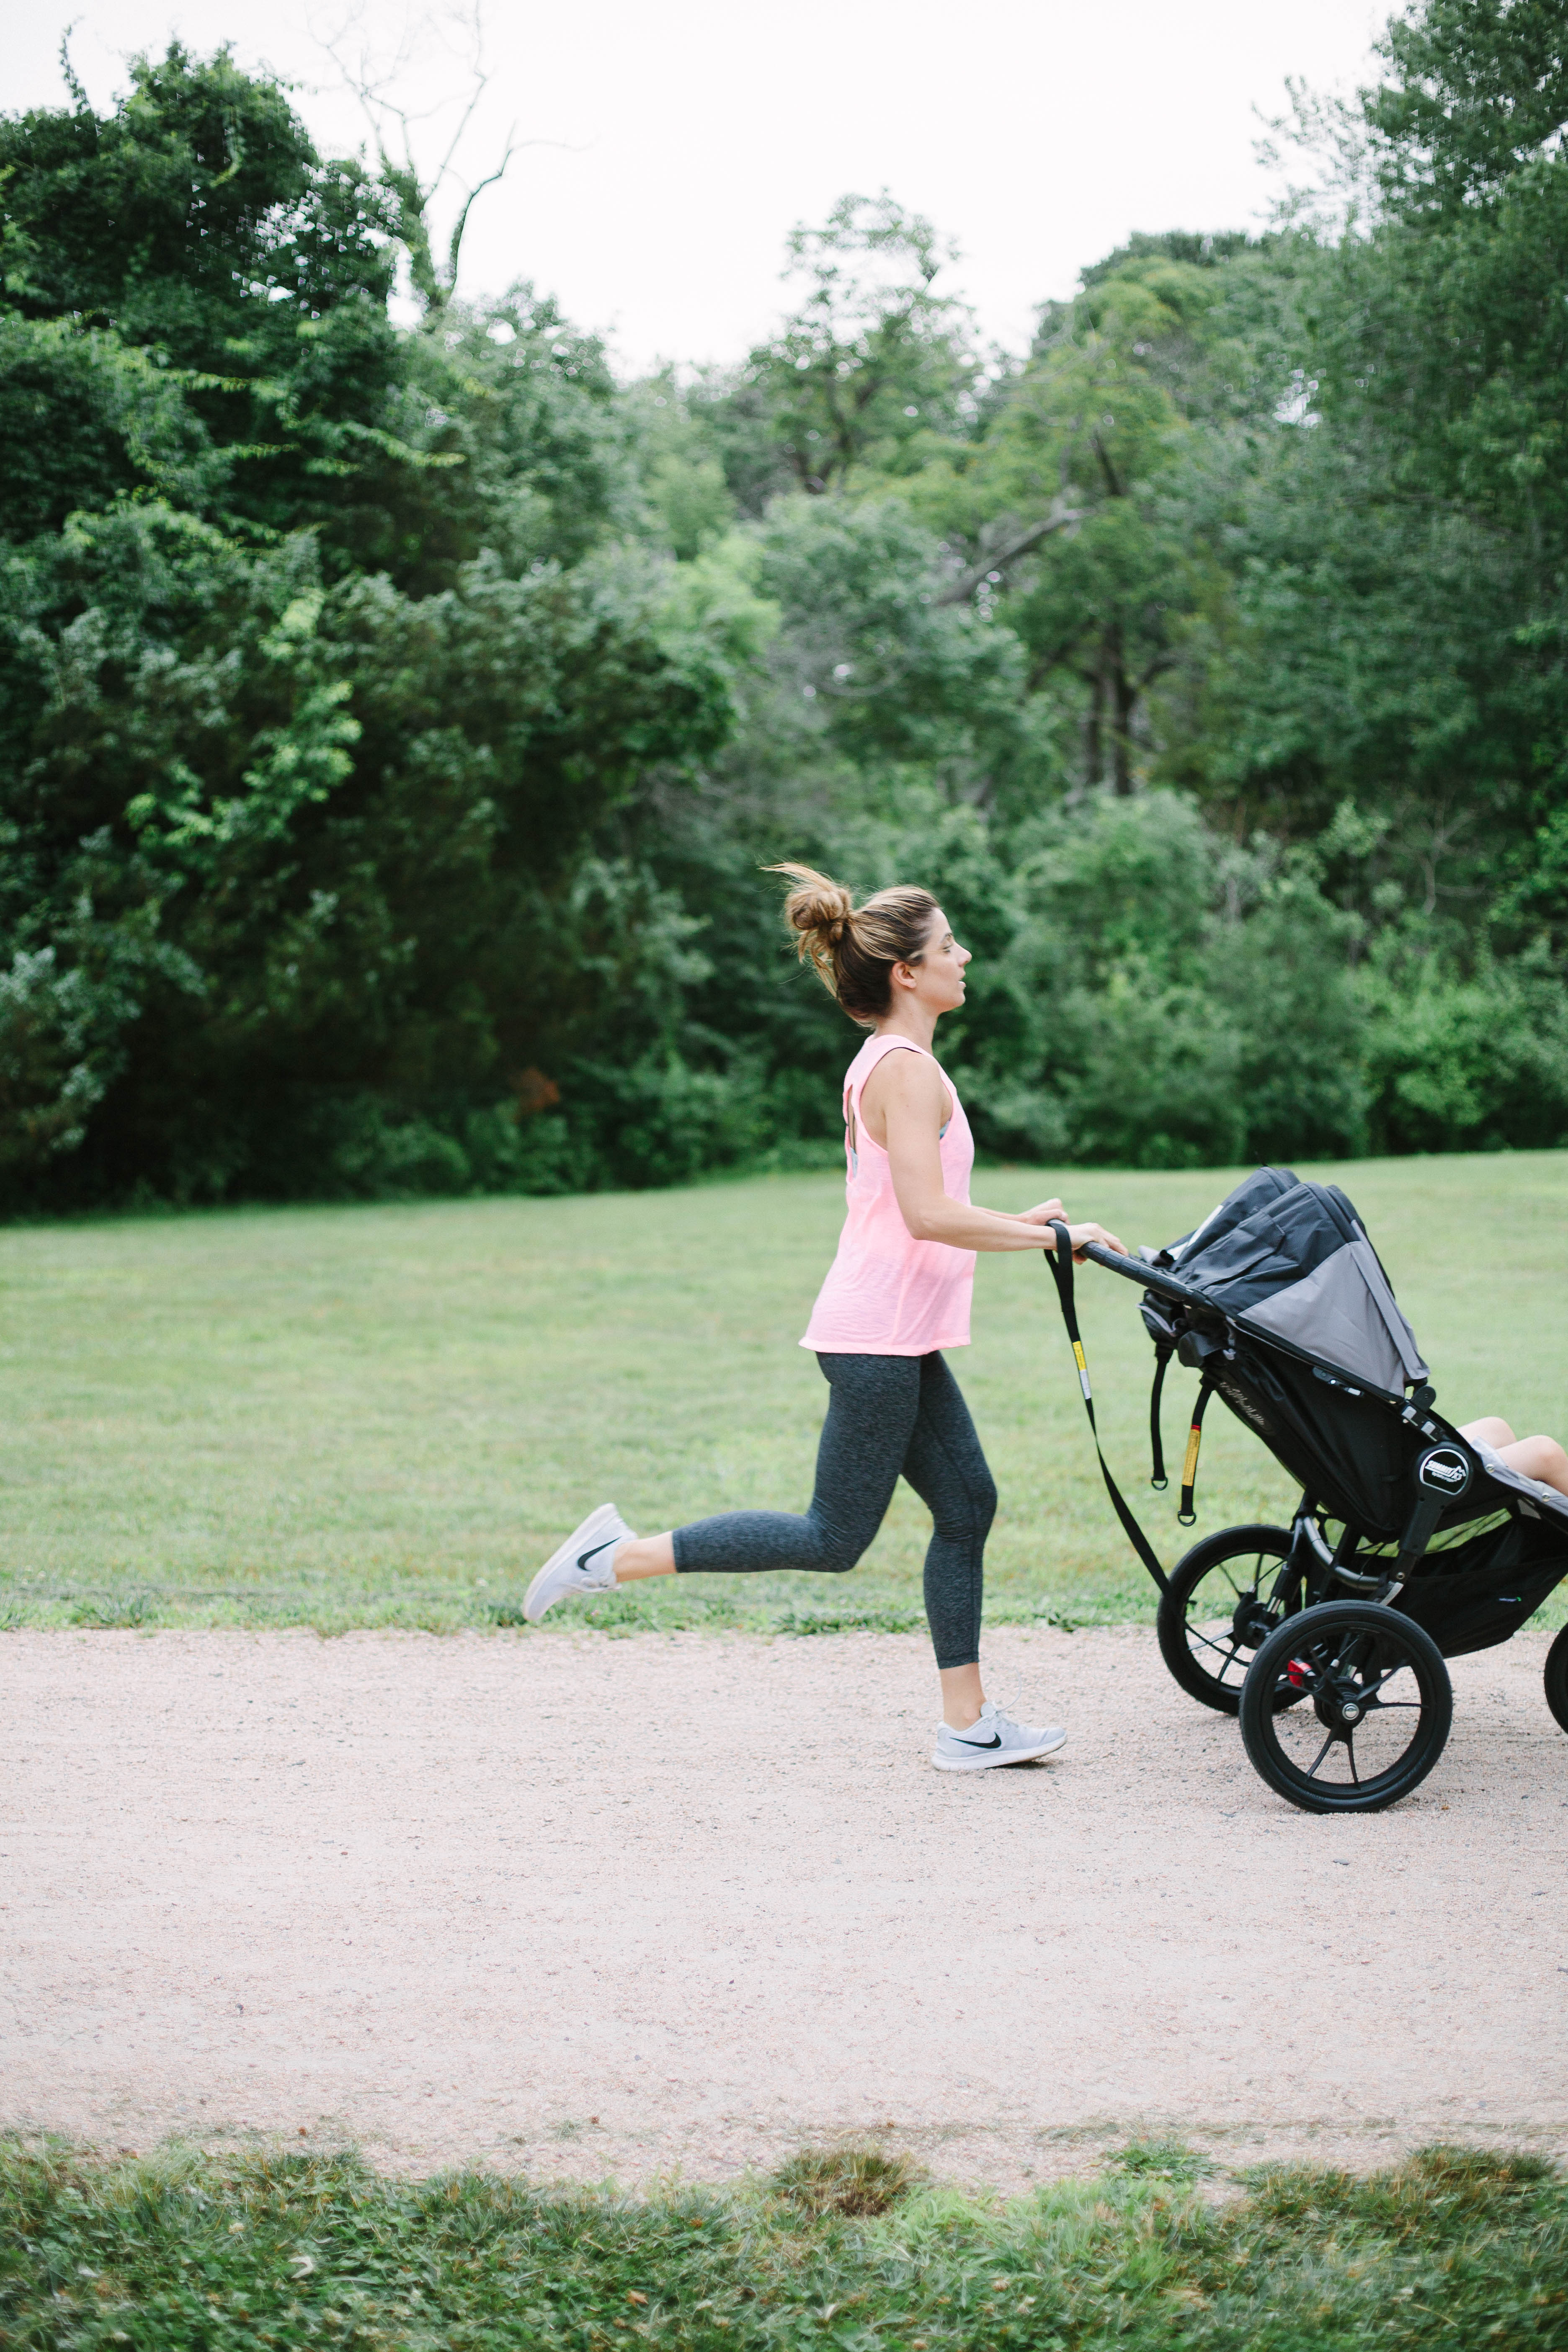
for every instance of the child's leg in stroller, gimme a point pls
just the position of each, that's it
(1490, 1431)
(1534, 1457)
(1539, 1457)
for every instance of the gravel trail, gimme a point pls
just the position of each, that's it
(588, 1907)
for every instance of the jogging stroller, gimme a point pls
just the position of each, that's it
(1410, 1543)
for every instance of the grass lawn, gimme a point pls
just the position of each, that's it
(1454, 2250)
(385, 1415)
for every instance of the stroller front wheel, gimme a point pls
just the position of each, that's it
(1557, 1678)
(1225, 1596)
(1380, 1712)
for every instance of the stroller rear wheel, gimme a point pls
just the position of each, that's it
(1224, 1598)
(1382, 1705)
(1557, 1678)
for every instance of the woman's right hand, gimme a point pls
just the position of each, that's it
(1080, 1237)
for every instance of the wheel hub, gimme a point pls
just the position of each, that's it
(1250, 1623)
(1339, 1704)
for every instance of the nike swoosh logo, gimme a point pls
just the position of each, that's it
(978, 1743)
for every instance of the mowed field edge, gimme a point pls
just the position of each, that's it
(385, 1414)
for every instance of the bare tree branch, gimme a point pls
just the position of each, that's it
(959, 591)
(371, 83)
(454, 242)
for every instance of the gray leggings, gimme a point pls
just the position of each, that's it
(886, 1415)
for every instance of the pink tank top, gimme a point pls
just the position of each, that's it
(886, 1292)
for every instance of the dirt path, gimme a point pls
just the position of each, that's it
(585, 1907)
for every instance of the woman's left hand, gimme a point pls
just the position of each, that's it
(1048, 1213)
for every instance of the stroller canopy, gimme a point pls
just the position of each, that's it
(1292, 1260)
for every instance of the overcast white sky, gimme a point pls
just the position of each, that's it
(693, 133)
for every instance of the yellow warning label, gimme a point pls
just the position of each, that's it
(1194, 1438)
(1082, 1368)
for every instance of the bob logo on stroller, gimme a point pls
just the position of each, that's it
(1410, 1544)
(1444, 1468)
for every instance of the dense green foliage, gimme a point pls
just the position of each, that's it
(394, 722)
(1453, 2249)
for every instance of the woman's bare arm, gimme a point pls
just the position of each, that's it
(910, 1103)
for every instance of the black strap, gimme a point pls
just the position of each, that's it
(1059, 1260)
(1157, 1478)
(1186, 1515)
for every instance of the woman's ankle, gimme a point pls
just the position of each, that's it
(642, 1556)
(963, 1696)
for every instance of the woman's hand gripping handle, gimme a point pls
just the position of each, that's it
(1081, 1237)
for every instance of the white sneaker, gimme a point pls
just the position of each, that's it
(994, 1739)
(585, 1563)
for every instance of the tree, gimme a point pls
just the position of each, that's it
(306, 776)
(1074, 476)
(1403, 600)
(1478, 91)
(874, 363)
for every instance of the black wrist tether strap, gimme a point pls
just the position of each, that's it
(1059, 1260)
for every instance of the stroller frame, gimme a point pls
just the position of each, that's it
(1410, 1544)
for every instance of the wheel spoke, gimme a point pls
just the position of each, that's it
(1312, 1766)
(1226, 1609)
(1349, 1751)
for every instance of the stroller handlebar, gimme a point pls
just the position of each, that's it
(1138, 1270)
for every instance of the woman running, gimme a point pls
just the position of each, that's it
(897, 1294)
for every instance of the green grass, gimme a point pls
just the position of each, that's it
(1454, 2251)
(382, 1416)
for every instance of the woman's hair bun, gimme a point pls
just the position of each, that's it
(816, 904)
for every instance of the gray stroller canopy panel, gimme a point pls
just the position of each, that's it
(1292, 1260)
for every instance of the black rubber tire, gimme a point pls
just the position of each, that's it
(1343, 1641)
(1250, 1547)
(1557, 1678)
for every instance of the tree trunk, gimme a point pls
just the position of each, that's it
(1094, 726)
(1121, 697)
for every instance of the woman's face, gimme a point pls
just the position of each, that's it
(939, 975)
